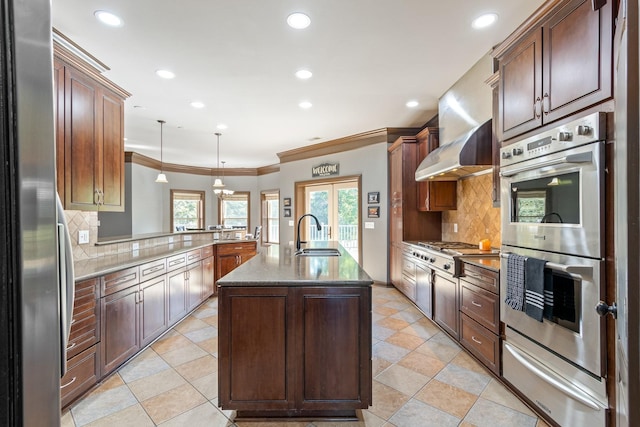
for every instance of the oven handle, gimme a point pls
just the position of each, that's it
(572, 270)
(571, 158)
(549, 377)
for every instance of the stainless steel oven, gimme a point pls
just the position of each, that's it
(552, 189)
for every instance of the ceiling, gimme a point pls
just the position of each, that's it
(368, 58)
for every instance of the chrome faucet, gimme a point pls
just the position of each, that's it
(298, 241)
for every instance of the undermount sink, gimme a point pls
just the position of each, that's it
(318, 252)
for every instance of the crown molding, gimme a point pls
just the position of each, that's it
(142, 160)
(66, 50)
(345, 144)
(266, 170)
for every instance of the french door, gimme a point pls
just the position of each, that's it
(337, 206)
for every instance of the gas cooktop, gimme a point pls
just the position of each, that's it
(455, 248)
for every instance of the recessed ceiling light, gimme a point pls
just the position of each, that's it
(221, 126)
(412, 104)
(108, 18)
(484, 21)
(305, 105)
(304, 74)
(298, 20)
(197, 104)
(165, 74)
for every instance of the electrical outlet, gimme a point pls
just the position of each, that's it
(186, 237)
(290, 242)
(455, 227)
(290, 223)
(369, 224)
(135, 246)
(83, 237)
(170, 239)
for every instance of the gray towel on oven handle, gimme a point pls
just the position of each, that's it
(548, 295)
(534, 288)
(515, 281)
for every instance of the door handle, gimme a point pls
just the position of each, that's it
(537, 108)
(546, 104)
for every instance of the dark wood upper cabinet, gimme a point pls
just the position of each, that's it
(89, 137)
(563, 65)
(434, 195)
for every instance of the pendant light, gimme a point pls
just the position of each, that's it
(218, 184)
(162, 178)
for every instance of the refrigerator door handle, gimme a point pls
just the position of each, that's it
(66, 282)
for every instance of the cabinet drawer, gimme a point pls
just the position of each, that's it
(82, 374)
(236, 248)
(119, 280)
(486, 279)
(194, 256)
(153, 269)
(176, 261)
(409, 268)
(207, 251)
(480, 305)
(481, 342)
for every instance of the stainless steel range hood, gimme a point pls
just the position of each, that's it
(469, 154)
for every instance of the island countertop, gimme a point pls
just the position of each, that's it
(278, 265)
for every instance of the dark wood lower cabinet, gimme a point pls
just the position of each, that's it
(177, 295)
(195, 282)
(120, 328)
(83, 371)
(208, 277)
(314, 358)
(154, 318)
(445, 304)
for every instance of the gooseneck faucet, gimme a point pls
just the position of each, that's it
(298, 241)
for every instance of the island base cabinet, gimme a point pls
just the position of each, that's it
(314, 359)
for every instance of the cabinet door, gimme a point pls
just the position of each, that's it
(58, 102)
(194, 285)
(395, 172)
(395, 265)
(577, 59)
(254, 359)
(120, 328)
(153, 309)
(445, 304)
(208, 277)
(81, 152)
(110, 167)
(177, 295)
(439, 195)
(521, 86)
(424, 299)
(225, 264)
(328, 320)
(83, 371)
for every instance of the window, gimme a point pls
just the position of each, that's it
(234, 210)
(187, 210)
(270, 217)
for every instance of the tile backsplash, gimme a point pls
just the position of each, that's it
(476, 217)
(80, 220)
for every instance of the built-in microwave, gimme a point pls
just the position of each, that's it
(552, 188)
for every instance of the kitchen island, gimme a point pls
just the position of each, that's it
(295, 336)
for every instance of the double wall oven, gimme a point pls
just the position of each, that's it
(552, 188)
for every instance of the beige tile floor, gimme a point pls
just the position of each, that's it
(421, 378)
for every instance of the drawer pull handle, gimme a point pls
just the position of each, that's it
(156, 268)
(178, 261)
(73, 320)
(476, 304)
(477, 341)
(125, 278)
(69, 383)
(239, 248)
(71, 346)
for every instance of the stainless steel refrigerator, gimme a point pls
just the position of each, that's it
(35, 293)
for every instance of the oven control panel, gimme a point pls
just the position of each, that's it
(578, 132)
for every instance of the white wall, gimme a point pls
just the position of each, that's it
(371, 163)
(150, 204)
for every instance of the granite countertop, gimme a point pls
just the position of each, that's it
(279, 266)
(490, 263)
(89, 268)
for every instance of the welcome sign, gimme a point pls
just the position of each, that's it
(325, 169)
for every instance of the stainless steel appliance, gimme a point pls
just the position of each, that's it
(552, 209)
(35, 295)
(439, 261)
(552, 189)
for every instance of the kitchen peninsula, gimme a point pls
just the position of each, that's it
(295, 336)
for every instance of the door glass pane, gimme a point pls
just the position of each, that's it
(318, 206)
(348, 220)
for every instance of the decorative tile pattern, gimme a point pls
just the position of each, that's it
(476, 217)
(421, 378)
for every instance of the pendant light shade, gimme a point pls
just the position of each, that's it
(218, 185)
(162, 178)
